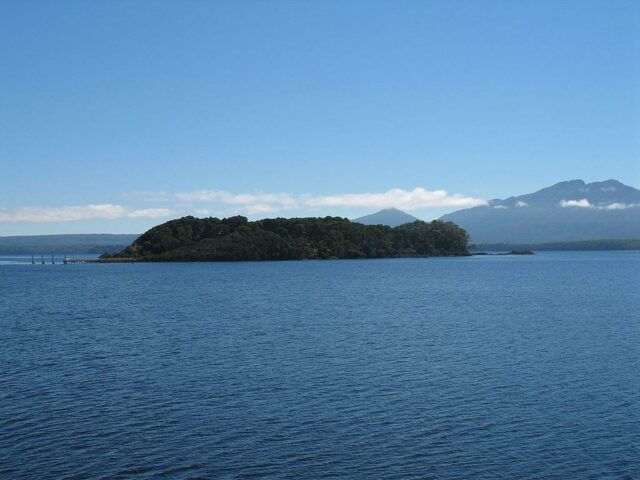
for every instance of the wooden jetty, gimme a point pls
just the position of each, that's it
(70, 261)
(33, 260)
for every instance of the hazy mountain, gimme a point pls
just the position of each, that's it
(567, 211)
(389, 216)
(61, 244)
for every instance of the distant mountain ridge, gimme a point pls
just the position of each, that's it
(391, 217)
(567, 211)
(598, 194)
(61, 244)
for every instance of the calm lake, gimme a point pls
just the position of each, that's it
(444, 368)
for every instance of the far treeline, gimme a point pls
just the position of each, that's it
(235, 238)
(581, 245)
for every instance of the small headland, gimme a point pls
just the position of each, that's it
(512, 252)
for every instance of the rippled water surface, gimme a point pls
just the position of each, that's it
(480, 368)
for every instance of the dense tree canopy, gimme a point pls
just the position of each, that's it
(235, 238)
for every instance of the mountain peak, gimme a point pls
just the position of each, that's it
(567, 183)
(387, 216)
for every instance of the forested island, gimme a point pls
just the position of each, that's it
(235, 238)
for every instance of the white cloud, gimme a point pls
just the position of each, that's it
(396, 197)
(273, 202)
(215, 201)
(620, 206)
(521, 204)
(502, 207)
(584, 203)
(258, 208)
(104, 211)
(282, 200)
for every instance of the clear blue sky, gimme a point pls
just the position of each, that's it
(112, 114)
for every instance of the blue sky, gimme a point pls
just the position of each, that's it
(115, 116)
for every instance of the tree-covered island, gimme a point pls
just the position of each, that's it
(235, 238)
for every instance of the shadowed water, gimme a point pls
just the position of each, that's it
(483, 368)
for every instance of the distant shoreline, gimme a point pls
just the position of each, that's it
(65, 244)
(572, 246)
(30, 246)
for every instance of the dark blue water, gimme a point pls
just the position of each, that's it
(480, 368)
